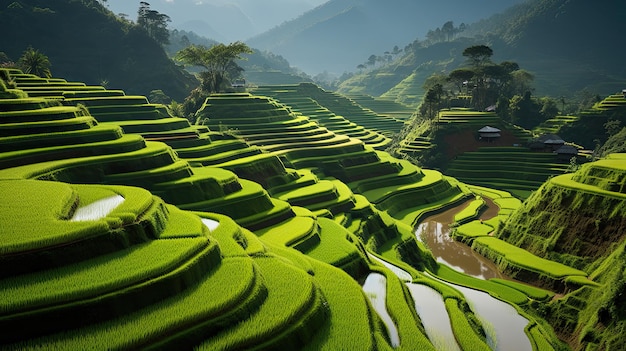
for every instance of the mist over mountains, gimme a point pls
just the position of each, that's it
(340, 34)
(222, 20)
(317, 35)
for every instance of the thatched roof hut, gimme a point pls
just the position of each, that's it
(489, 133)
(566, 152)
(546, 141)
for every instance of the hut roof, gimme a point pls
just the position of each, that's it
(567, 150)
(554, 142)
(545, 137)
(488, 129)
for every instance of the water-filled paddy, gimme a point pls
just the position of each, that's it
(434, 233)
(98, 209)
(505, 327)
(375, 287)
(210, 223)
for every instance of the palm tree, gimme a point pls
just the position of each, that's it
(34, 62)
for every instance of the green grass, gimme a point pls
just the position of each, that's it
(335, 247)
(288, 317)
(182, 224)
(96, 277)
(529, 290)
(578, 280)
(488, 192)
(227, 295)
(509, 203)
(297, 232)
(469, 212)
(226, 234)
(472, 229)
(41, 127)
(465, 334)
(508, 294)
(508, 254)
(34, 215)
(106, 158)
(567, 181)
(539, 341)
(400, 306)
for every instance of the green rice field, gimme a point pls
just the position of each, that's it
(123, 226)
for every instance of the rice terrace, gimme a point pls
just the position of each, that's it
(164, 187)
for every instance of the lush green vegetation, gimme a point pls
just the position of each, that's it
(143, 224)
(141, 67)
(309, 189)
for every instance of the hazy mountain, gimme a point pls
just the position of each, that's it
(222, 20)
(568, 45)
(340, 34)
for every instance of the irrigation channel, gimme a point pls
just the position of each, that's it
(504, 326)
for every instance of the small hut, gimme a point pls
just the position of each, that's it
(488, 133)
(566, 152)
(554, 144)
(549, 142)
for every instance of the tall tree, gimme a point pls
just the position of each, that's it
(34, 62)
(478, 55)
(218, 61)
(219, 66)
(154, 23)
(448, 30)
(460, 77)
(371, 61)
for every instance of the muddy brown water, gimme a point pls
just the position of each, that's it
(505, 327)
(434, 232)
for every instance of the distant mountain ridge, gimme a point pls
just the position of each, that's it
(340, 34)
(222, 20)
(568, 45)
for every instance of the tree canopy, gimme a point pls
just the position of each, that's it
(154, 23)
(478, 55)
(35, 62)
(219, 66)
(218, 61)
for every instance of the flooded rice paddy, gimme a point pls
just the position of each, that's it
(434, 232)
(504, 326)
(375, 287)
(97, 209)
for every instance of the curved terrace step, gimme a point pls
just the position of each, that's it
(67, 297)
(293, 311)
(42, 236)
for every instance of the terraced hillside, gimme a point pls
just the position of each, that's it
(349, 160)
(410, 90)
(579, 219)
(503, 162)
(306, 106)
(349, 109)
(384, 106)
(554, 125)
(46, 139)
(169, 278)
(455, 130)
(589, 127)
(515, 169)
(252, 229)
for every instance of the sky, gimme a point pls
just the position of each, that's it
(223, 20)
